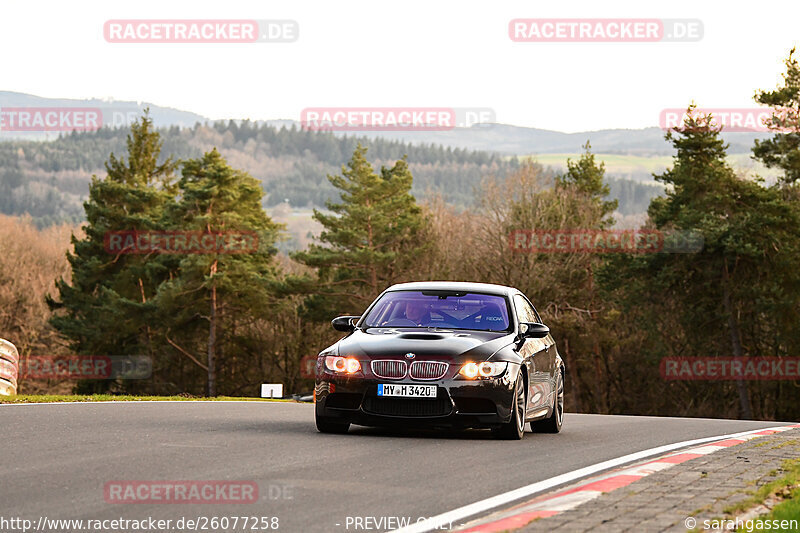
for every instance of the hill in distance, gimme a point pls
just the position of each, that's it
(501, 138)
(115, 113)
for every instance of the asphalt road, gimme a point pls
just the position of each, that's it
(56, 460)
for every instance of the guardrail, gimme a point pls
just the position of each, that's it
(9, 368)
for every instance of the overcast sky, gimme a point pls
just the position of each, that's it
(411, 53)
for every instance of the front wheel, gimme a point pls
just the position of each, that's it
(553, 423)
(326, 425)
(514, 429)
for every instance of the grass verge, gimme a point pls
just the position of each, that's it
(784, 512)
(67, 398)
(787, 489)
(791, 478)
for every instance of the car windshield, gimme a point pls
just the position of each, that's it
(440, 309)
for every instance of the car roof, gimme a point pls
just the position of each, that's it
(485, 288)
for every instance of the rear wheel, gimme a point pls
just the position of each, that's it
(514, 429)
(327, 425)
(553, 423)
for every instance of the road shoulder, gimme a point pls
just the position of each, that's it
(702, 488)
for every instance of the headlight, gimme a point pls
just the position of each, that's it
(342, 365)
(482, 370)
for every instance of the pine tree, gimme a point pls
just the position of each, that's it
(369, 240)
(105, 306)
(783, 150)
(731, 298)
(209, 293)
(586, 176)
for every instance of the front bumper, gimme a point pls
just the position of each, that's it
(459, 403)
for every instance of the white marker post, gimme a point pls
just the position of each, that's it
(272, 390)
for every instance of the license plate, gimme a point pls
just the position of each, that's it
(407, 390)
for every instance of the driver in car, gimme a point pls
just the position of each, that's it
(418, 313)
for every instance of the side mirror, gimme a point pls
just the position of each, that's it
(344, 323)
(533, 330)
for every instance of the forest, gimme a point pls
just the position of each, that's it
(220, 323)
(48, 180)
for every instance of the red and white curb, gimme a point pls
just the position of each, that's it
(589, 488)
(553, 504)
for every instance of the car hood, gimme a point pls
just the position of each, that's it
(391, 343)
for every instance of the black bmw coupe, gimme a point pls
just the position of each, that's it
(467, 355)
